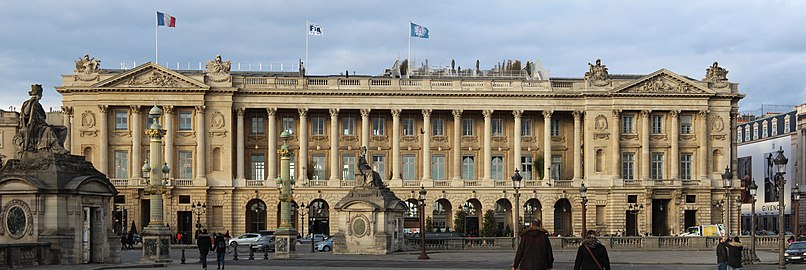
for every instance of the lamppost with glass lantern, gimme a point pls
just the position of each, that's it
(285, 237)
(753, 190)
(726, 178)
(583, 193)
(780, 184)
(156, 236)
(423, 255)
(198, 209)
(634, 209)
(796, 204)
(302, 219)
(516, 184)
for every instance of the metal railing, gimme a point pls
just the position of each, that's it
(254, 183)
(317, 183)
(183, 182)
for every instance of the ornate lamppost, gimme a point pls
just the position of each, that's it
(739, 214)
(423, 255)
(301, 211)
(198, 209)
(516, 184)
(726, 177)
(634, 209)
(286, 235)
(796, 203)
(583, 193)
(156, 236)
(753, 190)
(780, 184)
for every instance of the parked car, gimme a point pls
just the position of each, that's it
(266, 232)
(244, 239)
(264, 243)
(317, 238)
(796, 252)
(325, 245)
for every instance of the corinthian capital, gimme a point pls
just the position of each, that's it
(365, 112)
(457, 113)
(334, 112)
(487, 113)
(517, 113)
(547, 113)
(426, 113)
(396, 112)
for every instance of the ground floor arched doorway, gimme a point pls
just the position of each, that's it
(255, 215)
(320, 217)
(443, 217)
(562, 218)
(503, 218)
(532, 210)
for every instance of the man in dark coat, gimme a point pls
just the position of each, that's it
(204, 243)
(592, 255)
(220, 248)
(735, 254)
(722, 254)
(534, 250)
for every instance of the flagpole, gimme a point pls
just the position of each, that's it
(408, 60)
(156, 44)
(307, 30)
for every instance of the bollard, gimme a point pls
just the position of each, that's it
(235, 253)
(183, 256)
(265, 253)
(251, 254)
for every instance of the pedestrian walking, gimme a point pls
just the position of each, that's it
(534, 250)
(130, 241)
(203, 241)
(722, 254)
(220, 248)
(122, 241)
(735, 254)
(591, 255)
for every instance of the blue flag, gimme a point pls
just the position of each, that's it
(418, 30)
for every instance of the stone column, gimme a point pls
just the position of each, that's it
(103, 162)
(239, 147)
(615, 138)
(271, 136)
(426, 145)
(302, 162)
(577, 144)
(169, 138)
(365, 128)
(457, 144)
(547, 145)
(516, 137)
(673, 133)
(396, 144)
(137, 141)
(201, 147)
(645, 153)
(488, 142)
(702, 161)
(334, 144)
(67, 118)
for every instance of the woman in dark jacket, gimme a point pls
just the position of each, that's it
(534, 250)
(204, 243)
(735, 254)
(592, 255)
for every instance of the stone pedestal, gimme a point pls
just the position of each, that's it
(370, 222)
(285, 241)
(156, 244)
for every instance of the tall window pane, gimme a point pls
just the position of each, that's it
(657, 124)
(319, 162)
(379, 165)
(121, 120)
(348, 167)
(627, 124)
(258, 166)
(526, 126)
(318, 125)
(121, 164)
(438, 167)
(467, 127)
(185, 165)
(657, 166)
(468, 168)
(378, 125)
(628, 166)
(257, 125)
(498, 168)
(288, 124)
(408, 126)
(555, 127)
(408, 167)
(685, 166)
(498, 127)
(556, 166)
(438, 126)
(526, 167)
(185, 120)
(685, 124)
(348, 126)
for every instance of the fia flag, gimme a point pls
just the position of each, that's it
(314, 30)
(418, 30)
(165, 20)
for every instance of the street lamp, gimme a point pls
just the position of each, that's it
(780, 183)
(516, 184)
(753, 190)
(726, 177)
(796, 203)
(302, 219)
(634, 209)
(423, 255)
(198, 209)
(583, 192)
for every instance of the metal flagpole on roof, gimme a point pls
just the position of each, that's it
(408, 60)
(156, 44)
(307, 33)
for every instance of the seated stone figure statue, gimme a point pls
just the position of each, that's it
(371, 178)
(34, 133)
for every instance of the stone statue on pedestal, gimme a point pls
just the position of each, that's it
(34, 133)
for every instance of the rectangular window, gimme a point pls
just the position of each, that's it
(627, 124)
(319, 163)
(438, 167)
(258, 125)
(498, 167)
(685, 124)
(526, 126)
(628, 166)
(318, 125)
(288, 124)
(632, 198)
(498, 127)
(121, 164)
(408, 167)
(467, 127)
(657, 124)
(379, 165)
(691, 198)
(438, 126)
(185, 165)
(656, 172)
(121, 120)
(348, 167)
(468, 168)
(378, 125)
(556, 167)
(600, 215)
(764, 129)
(685, 166)
(185, 120)
(184, 199)
(526, 167)
(555, 127)
(258, 166)
(408, 126)
(747, 132)
(348, 126)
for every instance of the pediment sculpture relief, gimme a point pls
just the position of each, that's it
(597, 74)
(152, 79)
(218, 70)
(663, 84)
(87, 69)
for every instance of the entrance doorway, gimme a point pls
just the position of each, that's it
(145, 213)
(689, 218)
(632, 223)
(255, 215)
(184, 225)
(562, 218)
(320, 217)
(660, 217)
(86, 235)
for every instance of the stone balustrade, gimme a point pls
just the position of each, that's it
(400, 84)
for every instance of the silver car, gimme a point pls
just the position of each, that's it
(244, 239)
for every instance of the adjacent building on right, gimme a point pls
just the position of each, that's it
(759, 140)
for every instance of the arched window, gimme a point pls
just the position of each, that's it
(599, 160)
(739, 134)
(217, 159)
(88, 154)
(764, 129)
(774, 131)
(747, 133)
(787, 128)
(755, 131)
(255, 215)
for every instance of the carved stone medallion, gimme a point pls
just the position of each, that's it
(359, 226)
(87, 119)
(17, 219)
(600, 123)
(717, 124)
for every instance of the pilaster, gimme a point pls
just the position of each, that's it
(488, 151)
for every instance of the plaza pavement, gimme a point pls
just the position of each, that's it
(459, 260)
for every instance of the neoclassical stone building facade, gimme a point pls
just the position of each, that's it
(651, 148)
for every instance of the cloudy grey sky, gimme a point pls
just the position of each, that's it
(761, 43)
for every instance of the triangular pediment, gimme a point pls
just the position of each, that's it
(663, 82)
(152, 76)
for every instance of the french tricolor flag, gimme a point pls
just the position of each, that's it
(165, 20)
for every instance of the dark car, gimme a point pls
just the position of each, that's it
(796, 252)
(264, 243)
